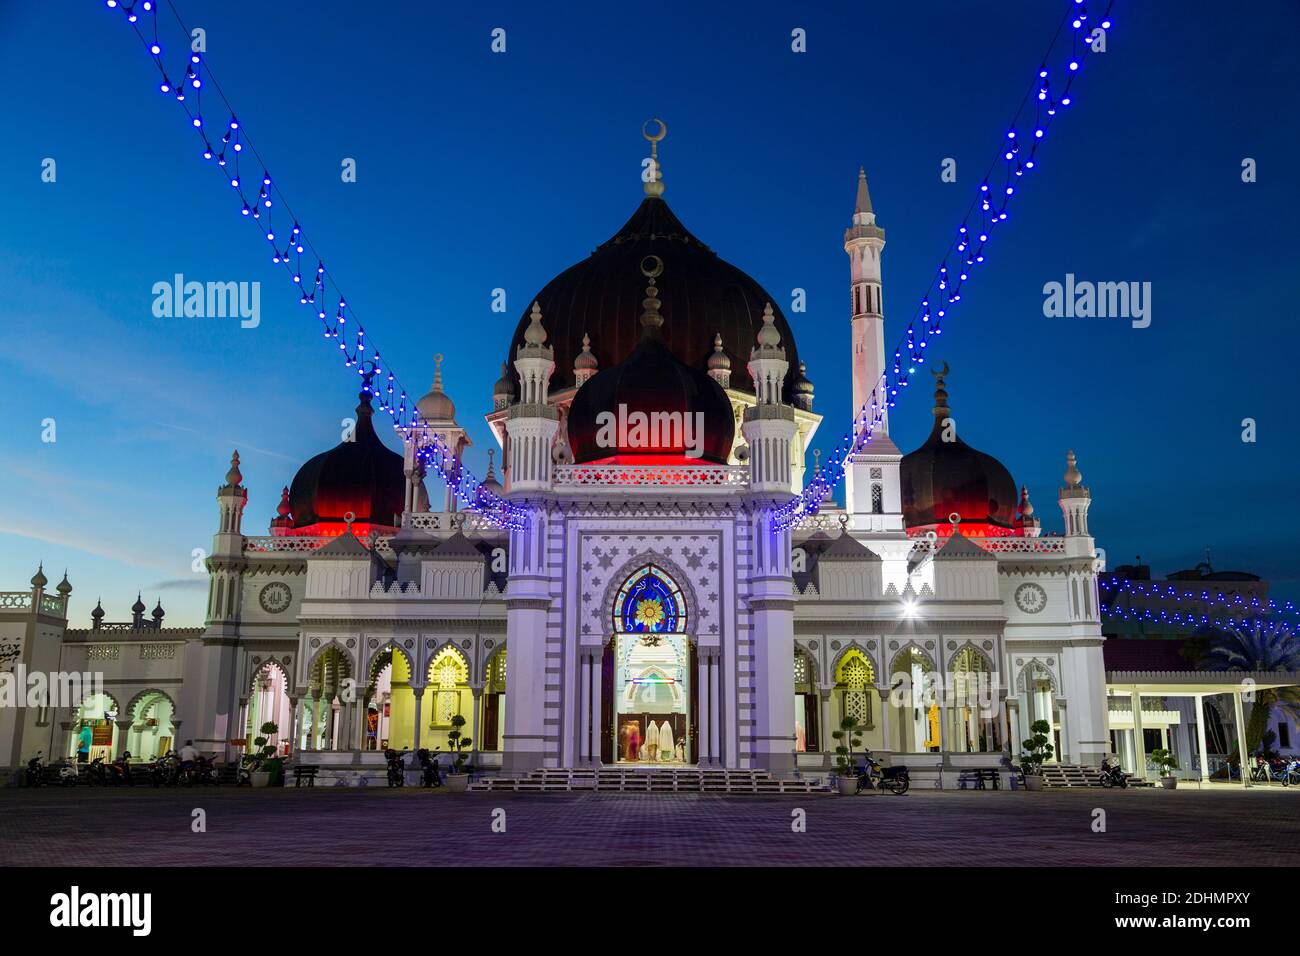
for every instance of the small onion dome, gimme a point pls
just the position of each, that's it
(535, 333)
(64, 587)
(503, 392)
(490, 482)
(39, 580)
(946, 476)
(719, 361)
(98, 612)
(158, 612)
(362, 476)
(586, 361)
(803, 389)
(138, 607)
(436, 406)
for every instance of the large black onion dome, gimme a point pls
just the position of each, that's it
(362, 476)
(704, 295)
(945, 477)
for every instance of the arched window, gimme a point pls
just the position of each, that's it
(650, 602)
(877, 500)
(855, 679)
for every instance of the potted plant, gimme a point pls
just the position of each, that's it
(850, 736)
(1166, 763)
(1036, 749)
(458, 777)
(264, 767)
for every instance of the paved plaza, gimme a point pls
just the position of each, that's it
(326, 827)
(336, 827)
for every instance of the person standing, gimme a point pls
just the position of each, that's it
(84, 737)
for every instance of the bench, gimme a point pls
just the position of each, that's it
(301, 773)
(979, 776)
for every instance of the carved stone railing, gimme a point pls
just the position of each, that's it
(663, 476)
(450, 521)
(287, 543)
(824, 520)
(1012, 545)
(15, 600)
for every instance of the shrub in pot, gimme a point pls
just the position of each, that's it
(458, 778)
(1035, 750)
(265, 768)
(850, 736)
(1166, 763)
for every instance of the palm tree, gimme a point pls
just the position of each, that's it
(1258, 646)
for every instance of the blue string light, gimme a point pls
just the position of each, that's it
(966, 250)
(360, 354)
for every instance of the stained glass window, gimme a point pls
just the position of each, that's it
(650, 602)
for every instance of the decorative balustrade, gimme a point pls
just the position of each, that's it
(667, 476)
(15, 600)
(824, 520)
(157, 652)
(284, 543)
(1012, 545)
(450, 521)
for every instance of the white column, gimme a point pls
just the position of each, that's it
(477, 691)
(824, 721)
(584, 707)
(418, 693)
(597, 705)
(704, 691)
(715, 710)
(1241, 737)
(1139, 743)
(1200, 738)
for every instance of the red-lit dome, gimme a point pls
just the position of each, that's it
(945, 477)
(651, 408)
(362, 476)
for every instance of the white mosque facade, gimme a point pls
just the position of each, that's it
(652, 414)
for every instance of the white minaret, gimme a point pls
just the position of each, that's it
(531, 422)
(872, 493)
(1075, 501)
(769, 429)
(438, 417)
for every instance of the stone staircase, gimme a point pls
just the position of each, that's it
(665, 780)
(1069, 775)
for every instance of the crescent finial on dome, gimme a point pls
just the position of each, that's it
(654, 185)
(651, 321)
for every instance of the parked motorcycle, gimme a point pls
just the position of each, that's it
(69, 775)
(204, 772)
(396, 771)
(1112, 775)
(874, 776)
(1291, 773)
(430, 777)
(36, 770)
(97, 773)
(120, 770)
(166, 770)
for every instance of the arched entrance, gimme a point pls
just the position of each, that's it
(494, 701)
(321, 727)
(268, 703)
(649, 701)
(94, 728)
(152, 730)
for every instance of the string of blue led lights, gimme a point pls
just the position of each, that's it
(1018, 154)
(355, 350)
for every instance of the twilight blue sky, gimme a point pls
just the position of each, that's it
(478, 170)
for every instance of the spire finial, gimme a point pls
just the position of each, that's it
(651, 267)
(1026, 506)
(863, 203)
(1072, 477)
(233, 476)
(491, 472)
(437, 372)
(654, 185)
(768, 336)
(535, 334)
(941, 408)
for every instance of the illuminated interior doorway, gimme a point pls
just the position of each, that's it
(650, 703)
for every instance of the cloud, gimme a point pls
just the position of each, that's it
(80, 541)
(196, 583)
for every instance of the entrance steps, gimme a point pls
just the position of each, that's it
(634, 780)
(1069, 775)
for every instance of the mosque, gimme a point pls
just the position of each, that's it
(652, 413)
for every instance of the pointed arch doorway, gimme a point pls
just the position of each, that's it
(649, 698)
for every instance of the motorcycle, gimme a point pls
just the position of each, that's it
(1291, 774)
(120, 770)
(875, 777)
(430, 777)
(396, 771)
(1112, 775)
(69, 776)
(36, 771)
(204, 772)
(97, 773)
(166, 770)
